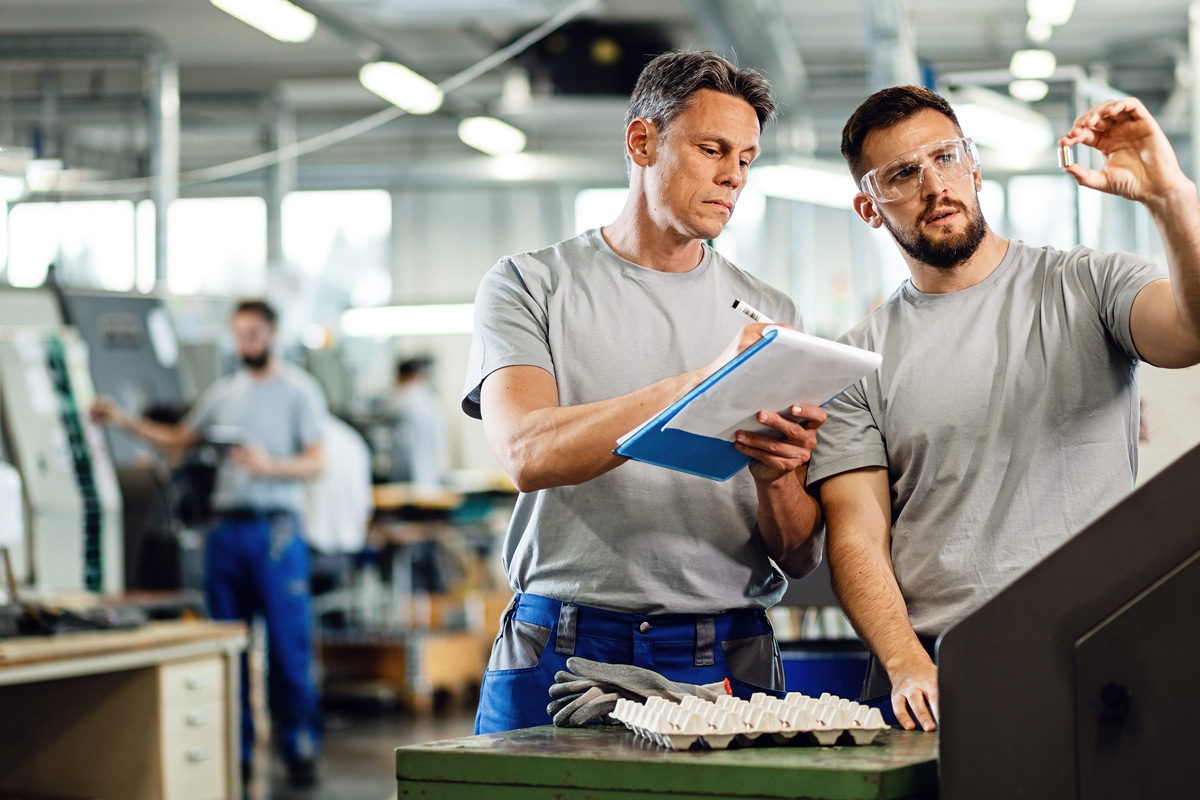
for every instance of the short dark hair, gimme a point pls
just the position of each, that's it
(667, 84)
(413, 366)
(260, 307)
(884, 109)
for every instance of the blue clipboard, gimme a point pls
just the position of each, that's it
(704, 456)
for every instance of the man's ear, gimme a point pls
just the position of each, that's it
(641, 140)
(864, 206)
(977, 177)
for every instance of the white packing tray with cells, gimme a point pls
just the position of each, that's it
(796, 719)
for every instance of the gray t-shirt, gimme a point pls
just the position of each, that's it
(638, 539)
(1006, 414)
(421, 439)
(283, 414)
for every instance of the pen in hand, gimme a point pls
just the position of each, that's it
(752, 312)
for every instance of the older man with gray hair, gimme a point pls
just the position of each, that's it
(577, 344)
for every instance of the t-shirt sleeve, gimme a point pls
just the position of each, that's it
(511, 329)
(849, 439)
(201, 414)
(310, 417)
(1117, 279)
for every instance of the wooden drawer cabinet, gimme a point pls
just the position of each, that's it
(142, 715)
(192, 723)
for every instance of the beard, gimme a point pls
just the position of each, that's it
(256, 361)
(946, 252)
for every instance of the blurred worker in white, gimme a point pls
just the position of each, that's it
(339, 500)
(421, 441)
(1005, 416)
(578, 344)
(271, 415)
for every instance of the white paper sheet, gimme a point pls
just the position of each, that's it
(794, 368)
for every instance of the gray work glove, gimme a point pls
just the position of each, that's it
(578, 710)
(639, 681)
(587, 691)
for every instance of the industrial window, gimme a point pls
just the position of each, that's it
(341, 239)
(217, 245)
(90, 243)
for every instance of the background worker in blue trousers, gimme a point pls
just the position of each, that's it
(270, 415)
(579, 343)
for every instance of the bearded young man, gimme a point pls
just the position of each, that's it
(1005, 415)
(256, 559)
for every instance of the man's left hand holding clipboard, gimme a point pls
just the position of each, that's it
(773, 458)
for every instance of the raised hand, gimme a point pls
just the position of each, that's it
(1139, 161)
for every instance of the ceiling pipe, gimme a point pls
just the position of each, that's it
(890, 43)
(754, 33)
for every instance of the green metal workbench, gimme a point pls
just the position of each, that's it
(609, 763)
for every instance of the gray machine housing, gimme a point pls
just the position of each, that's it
(1076, 680)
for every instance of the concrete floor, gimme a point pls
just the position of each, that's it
(359, 760)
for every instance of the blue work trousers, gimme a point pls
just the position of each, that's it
(538, 635)
(257, 564)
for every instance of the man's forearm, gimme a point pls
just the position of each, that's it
(301, 466)
(159, 434)
(569, 445)
(867, 591)
(789, 521)
(1177, 217)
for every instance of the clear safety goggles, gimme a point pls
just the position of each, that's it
(902, 177)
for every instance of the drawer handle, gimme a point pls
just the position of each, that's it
(195, 754)
(197, 718)
(197, 682)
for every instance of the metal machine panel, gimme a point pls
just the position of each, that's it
(1009, 675)
(74, 537)
(30, 307)
(1132, 674)
(134, 355)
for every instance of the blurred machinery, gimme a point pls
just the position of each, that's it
(137, 360)
(73, 537)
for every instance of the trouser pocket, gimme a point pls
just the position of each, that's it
(514, 692)
(755, 661)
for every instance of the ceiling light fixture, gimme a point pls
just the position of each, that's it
(1038, 32)
(806, 182)
(1052, 12)
(401, 87)
(1029, 90)
(278, 19)
(408, 320)
(492, 136)
(1032, 64)
(12, 188)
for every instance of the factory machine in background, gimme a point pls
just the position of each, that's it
(138, 361)
(74, 537)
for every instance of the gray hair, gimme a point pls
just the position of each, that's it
(667, 84)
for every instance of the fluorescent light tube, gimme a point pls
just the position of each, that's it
(1032, 64)
(408, 320)
(278, 19)
(492, 136)
(1038, 32)
(1053, 12)
(401, 87)
(1028, 90)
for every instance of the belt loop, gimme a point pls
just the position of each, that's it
(564, 643)
(706, 641)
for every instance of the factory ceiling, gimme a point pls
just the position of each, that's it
(566, 91)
